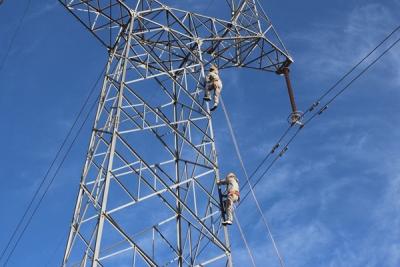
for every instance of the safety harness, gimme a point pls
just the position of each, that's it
(234, 192)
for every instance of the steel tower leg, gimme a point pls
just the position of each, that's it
(116, 114)
(148, 194)
(78, 205)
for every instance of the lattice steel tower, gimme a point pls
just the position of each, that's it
(148, 194)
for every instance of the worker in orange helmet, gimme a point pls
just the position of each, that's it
(213, 82)
(233, 195)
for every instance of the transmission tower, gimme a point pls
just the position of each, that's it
(148, 193)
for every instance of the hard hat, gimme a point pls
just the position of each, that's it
(213, 67)
(231, 175)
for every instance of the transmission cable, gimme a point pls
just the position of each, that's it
(16, 31)
(50, 168)
(272, 151)
(51, 181)
(352, 81)
(316, 103)
(239, 155)
(285, 148)
(323, 108)
(351, 70)
(245, 241)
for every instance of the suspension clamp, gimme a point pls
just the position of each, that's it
(274, 148)
(283, 151)
(295, 118)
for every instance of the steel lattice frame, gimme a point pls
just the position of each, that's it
(148, 195)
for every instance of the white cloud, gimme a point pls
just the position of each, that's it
(334, 47)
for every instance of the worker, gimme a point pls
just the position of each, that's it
(233, 195)
(213, 82)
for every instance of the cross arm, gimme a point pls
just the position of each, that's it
(105, 19)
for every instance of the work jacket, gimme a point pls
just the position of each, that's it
(233, 186)
(212, 78)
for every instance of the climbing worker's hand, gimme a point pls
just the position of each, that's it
(218, 182)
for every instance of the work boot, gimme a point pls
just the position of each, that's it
(207, 98)
(227, 222)
(214, 108)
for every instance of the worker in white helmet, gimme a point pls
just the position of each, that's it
(233, 195)
(213, 82)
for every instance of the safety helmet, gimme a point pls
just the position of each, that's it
(231, 175)
(213, 68)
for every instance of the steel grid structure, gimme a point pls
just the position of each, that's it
(148, 193)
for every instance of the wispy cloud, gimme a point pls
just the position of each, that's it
(332, 47)
(44, 8)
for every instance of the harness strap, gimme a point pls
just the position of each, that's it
(234, 192)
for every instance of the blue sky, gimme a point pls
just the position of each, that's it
(332, 200)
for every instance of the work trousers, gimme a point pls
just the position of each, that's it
(215, 86)
(232, 198)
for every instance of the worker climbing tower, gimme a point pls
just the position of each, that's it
(148, 193)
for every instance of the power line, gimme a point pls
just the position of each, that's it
(245, 241)
(286, 132)
(316, 103)
(51, 182)
(324, 107)
(239, 155)
(16, 31)
(49, 170)
(285, 148)
(352, 81)
(316, 113)
(352, 69)
(272, 151)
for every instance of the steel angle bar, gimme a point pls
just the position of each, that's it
(211, 260)
(167, 122)
(219, 243)
(156, 193)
